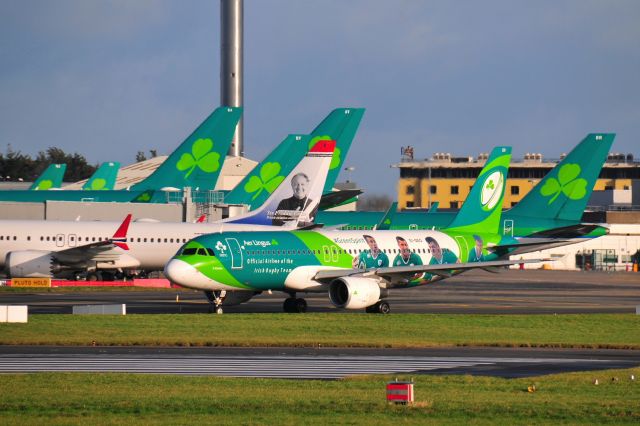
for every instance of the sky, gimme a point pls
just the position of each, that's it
(107, 79)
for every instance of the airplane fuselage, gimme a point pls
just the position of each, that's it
(288, 261)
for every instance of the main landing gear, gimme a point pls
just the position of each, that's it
(216, 298)
(381, 307)
(295, 305)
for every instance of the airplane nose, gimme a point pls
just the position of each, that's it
(180, 272)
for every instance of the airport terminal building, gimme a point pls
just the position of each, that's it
(447, 180)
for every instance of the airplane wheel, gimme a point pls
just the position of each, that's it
(287, 306)
(373, 309)
(384, 308)
(293, 305)
(300, 305)
(94, 276)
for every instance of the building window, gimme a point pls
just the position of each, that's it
(515, 190)
(454, 189)
(453, 204)
(608, 188)
(513, 203)
(411, 189)
(409, 203)
(433, 189)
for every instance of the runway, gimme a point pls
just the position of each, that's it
(509, 292)
(292, 363)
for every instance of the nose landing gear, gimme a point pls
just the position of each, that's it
(216, 298)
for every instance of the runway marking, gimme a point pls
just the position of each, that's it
(309, 367)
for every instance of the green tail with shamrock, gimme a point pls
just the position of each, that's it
(482, 210)
(51, 178)
(197, 162)
(340, 125)
(566, 189)
(104, 178)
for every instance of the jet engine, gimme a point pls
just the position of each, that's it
(30, 264)
(354, 292)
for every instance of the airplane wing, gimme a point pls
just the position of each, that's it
(401, 275)
(97, 250)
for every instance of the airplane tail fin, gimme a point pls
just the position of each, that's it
(120, 237)
(564, 192)
(387, 219)
(197, 162)
(482, 209)
(254, 189)
(51, 178)
(295, 202)
(340, 125)
(104, 178)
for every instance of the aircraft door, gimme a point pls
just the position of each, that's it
(60, 240)
(236, 253)
(72, 240)
(507, 228)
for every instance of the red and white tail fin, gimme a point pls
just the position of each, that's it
(120, 237)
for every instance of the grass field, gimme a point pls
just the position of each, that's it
(124, 399)
(330, 329)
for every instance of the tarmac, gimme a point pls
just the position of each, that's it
(508, 292)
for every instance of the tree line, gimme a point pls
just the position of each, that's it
(16, 166)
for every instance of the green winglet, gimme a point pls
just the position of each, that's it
(482, 209)
(104, 178)
(51, 178)
(197, 162)
(564, 192)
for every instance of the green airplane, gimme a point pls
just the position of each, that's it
(557, 201)
(51, 178)
(340, 125)
(357, 269)
(196, 163)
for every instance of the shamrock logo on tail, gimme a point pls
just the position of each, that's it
(44, 185)
(144, 197)
(490, 185)
(268, 180)
(98, 184)
(568, 183)
(335, 159)
(200, 157)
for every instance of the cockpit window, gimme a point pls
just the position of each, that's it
(202, 252)
(210, 251)
(189, 251)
